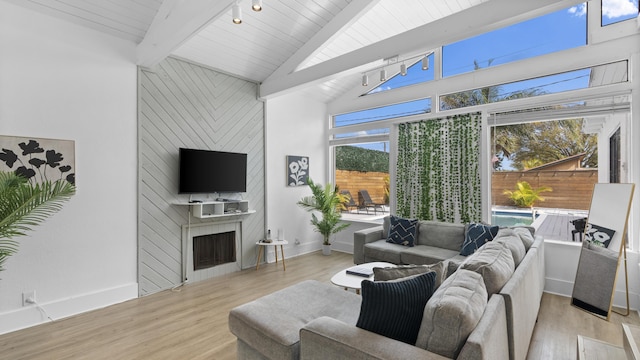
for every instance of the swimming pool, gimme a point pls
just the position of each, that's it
(511, 218)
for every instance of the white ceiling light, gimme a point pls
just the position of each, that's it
(365, 80)
(383, 75)
(236, 14)
(256, 5)
(425, 63)
(403, 69)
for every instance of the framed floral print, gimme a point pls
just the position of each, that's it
(297, 170)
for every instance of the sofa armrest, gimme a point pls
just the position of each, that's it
(538, 241)
(328, 338)
(490, 339)
(522, 295)
(362, 237)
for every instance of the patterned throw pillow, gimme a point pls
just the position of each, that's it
(394, 308)
(477, 235)
(402, 231)
(403, 271)
(598, 235)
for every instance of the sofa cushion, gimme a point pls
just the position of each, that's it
(385, 227)
(381, 250)
(512, 241)
(423, 254)
(441, 234)
(402, 271)
(402, 231)
(476, 235)
(494, 262)
(271, 324)
(452, 313)
(526, 236)
(394, 308)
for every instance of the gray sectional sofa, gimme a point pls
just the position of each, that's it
(440, 241)
(485, 309)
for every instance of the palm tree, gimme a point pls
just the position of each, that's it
(24, 205)
(329, 202)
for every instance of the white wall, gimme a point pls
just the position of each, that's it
(295, 125)
(62, 81)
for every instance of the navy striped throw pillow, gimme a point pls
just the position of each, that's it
(394, 308)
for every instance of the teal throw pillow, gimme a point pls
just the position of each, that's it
(475, 236)
(394, 308)
(402, 231)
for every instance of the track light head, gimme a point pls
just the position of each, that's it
(383, 75)
(256, 5)
(425, 63)
(403, 69)
(365, 80)
(236, 12)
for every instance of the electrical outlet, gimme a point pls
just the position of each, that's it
(28, 298)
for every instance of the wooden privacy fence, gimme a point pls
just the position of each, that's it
(354, 181)
(572, 189)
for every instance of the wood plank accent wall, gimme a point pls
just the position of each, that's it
(571, 189)
(185, 105)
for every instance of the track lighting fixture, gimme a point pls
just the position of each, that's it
(425, 63)
(403, 69)
(256, 5)
(236, 14)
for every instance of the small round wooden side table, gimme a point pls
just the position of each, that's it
(272, 243)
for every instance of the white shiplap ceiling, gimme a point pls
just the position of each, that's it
(288, 35)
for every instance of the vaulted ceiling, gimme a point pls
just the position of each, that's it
(319, 47)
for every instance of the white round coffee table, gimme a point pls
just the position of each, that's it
(348, 281)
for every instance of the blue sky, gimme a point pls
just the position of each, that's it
(563, 29)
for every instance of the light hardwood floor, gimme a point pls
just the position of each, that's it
(192, 323)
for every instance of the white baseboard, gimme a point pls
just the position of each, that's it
(29, 316)
(565, 288)
(558, 287)
(342, 247)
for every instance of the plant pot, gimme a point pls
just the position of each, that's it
(326, 249)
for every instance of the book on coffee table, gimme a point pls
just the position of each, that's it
(360, 271)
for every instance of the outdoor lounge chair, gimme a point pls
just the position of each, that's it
(366, 203)
(348, 205)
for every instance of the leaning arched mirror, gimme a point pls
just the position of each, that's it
(603, 248)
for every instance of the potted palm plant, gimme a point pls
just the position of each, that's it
(329, 202)
(24, 204)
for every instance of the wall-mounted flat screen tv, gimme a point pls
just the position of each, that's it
(207, 171)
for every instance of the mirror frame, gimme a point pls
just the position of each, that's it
(610, 207)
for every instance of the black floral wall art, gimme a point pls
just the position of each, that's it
(37, 159)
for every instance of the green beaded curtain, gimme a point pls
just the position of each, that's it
(438, 169)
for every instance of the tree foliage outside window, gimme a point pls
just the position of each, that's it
(359, 159)
(533, 144)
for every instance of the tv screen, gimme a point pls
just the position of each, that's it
(206, 171)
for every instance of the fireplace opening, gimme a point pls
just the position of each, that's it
(214, 249)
